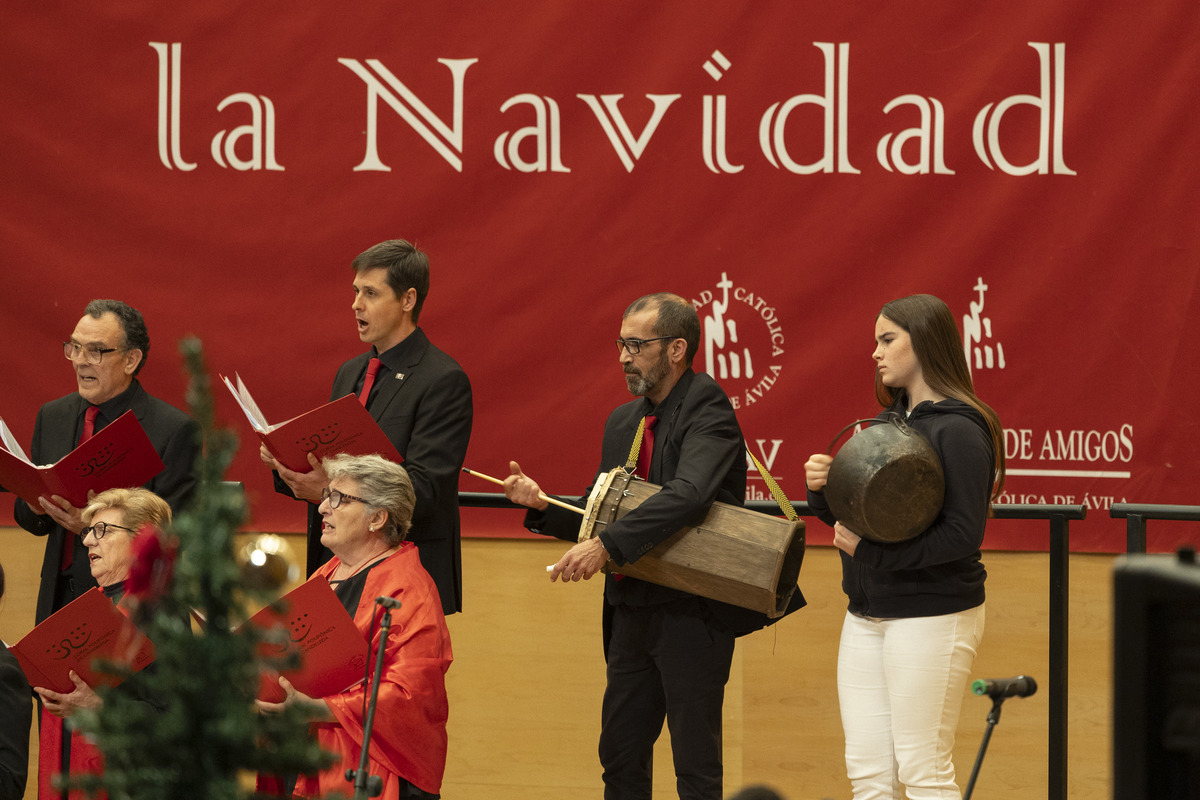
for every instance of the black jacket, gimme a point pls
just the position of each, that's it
(16, 711)
(698, 458)
(939, 571)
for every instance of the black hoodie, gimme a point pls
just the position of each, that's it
(939, 571)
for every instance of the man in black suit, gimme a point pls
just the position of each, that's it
(668, 651)
(420, 397)
(108, 349)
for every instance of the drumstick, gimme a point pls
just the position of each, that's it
(542, 495)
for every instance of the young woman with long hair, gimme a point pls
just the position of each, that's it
(915, 616)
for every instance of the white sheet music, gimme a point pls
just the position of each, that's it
(10, 443)
(250, 408)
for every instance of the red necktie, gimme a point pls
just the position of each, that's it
(369, 381)
(89, 427)
(89, 423)
(647, 449)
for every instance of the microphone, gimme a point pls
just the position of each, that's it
(1020, 686)
(393, 604)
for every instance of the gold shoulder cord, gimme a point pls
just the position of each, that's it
(780, 498)
(776, 492)
(631, 465)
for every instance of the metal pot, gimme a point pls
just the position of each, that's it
(886, 482)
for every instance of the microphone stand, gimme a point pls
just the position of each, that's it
(366, 785)
(993, 717)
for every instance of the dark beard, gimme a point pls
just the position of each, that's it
(643, 384)
(638, 385)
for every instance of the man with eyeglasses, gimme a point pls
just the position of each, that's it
(668, 651)
(107, 350)
(420, 397)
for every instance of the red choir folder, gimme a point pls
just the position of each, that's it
(87, 630)
(315, 625)
(119, 454)
(342, 426)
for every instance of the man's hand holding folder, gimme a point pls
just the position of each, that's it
(299, 444)
(119, 454)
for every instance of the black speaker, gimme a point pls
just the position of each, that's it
(1156, 677)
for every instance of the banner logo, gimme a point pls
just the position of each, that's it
(977, 336)
(741, 341)
(1104, 452)
(742, 347)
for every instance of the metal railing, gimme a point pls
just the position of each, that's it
(1136, 514)
(1059, 517)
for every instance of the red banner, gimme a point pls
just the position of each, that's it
(790, 166)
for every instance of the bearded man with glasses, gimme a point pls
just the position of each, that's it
(668, 652)
(107, 350)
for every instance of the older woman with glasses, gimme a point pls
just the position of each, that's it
(366, 512)
(112, 519)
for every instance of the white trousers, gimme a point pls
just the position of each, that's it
(900, 686)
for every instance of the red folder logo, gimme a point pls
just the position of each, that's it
(299, 628)
(76, 639)
(97, 462)
(322, 438)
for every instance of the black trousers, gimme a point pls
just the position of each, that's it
(665, 661)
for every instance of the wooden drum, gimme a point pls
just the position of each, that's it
(734, 555)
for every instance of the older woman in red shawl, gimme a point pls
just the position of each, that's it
(366, 512)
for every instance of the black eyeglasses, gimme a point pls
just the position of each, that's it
(335, 497)
(634, 346)
(100, 530)
(91, 355)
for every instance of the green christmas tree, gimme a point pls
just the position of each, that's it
(209, 738)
